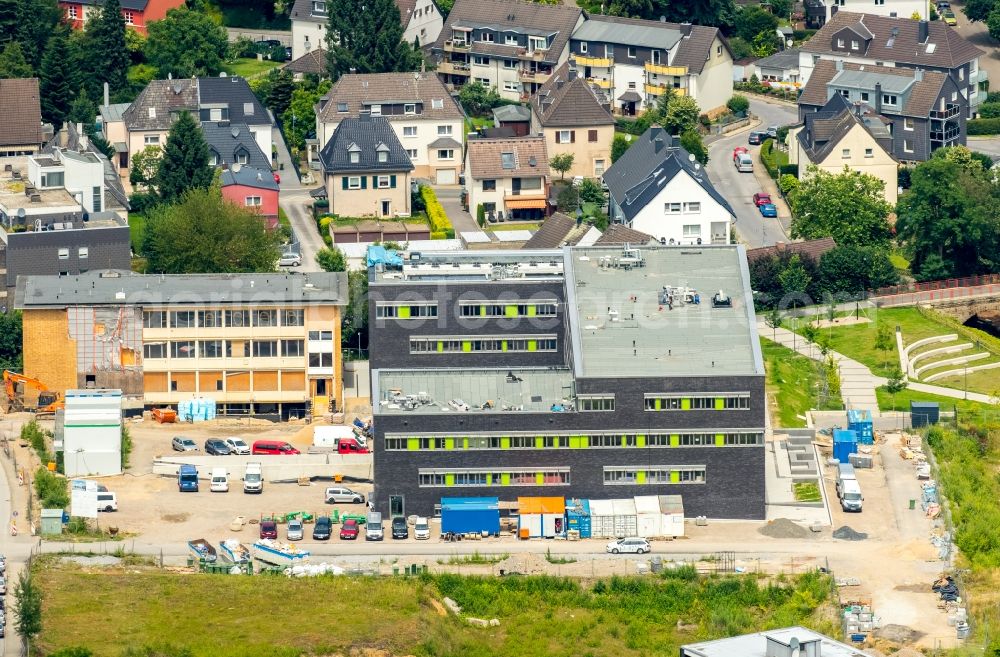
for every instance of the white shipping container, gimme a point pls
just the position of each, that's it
(533, 521)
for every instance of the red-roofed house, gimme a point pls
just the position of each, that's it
(138, 13)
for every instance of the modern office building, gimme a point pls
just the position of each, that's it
(587, 372)
(258, 344)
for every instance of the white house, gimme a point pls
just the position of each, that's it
(658, 188)
(425, 117)
(80, 174)
(422, 22)
(508, 177)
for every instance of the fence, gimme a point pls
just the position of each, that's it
(944, 284)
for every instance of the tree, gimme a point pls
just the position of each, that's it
(978, 10)
(774, 319)
(718, 13)
(206, 234)
(795, 281)
(897, 383)
(993, 23)
(184, 165)
(692, 143)
(108, 55)
(477, 99)
(331, 259)
(27, 606)
(12, 62)
(884, 340)
(849, 207)
(37, 21)
(83, 110)
(55, 81)
(765, 273)
(279, 93)
(561, 163)
(754, 19)
(300, 118)
(568, 199)
(10, 341)
(682, 115)
(591, 192)
(781, 8)
(631, 8)
(850, 270)
(355, 321)
(145, 166)
(367, 36)
(619, 145)
(186, 44)
(764, 44)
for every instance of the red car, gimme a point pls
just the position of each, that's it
(268, 529)
(349, 531)
(277, 177)
(760, 198)
(739, 150)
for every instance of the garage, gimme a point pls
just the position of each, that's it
(446, 177)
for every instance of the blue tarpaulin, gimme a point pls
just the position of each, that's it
(379, 255)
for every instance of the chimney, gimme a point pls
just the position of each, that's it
(107, 95)
(918, 75)
(559, 83)
(657, 144)
(840, 64)
(923, 31)
(878, 97)
(572, 75)
(685, 29)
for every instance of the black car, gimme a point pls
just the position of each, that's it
(322, 529)
(217, 447)
(756, 138)
(399, 528)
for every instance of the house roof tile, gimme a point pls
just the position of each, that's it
(693, 49)
(369, 136)
(228, 139)
(313, 62)
(812, 248)
(21, 110)
(921, 93)
(486, 157)
(362, 89)
(565, 102)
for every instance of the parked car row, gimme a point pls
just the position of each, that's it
(374, 529)
(220, 447)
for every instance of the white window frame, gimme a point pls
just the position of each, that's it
(437, 103)
(375, 110)
(383, 156)
(907, 146)
(907, 124)
(840, 43)
(855, 44)
(412, 153)
(382, 182)
(444, 130)
(354, 182)
(845, 153)
(583, 47)
(564, 136)
(409, 108)
(252, 201)
(869, 152)
(510, 64)
(688, 234)
(692, 207)
(511, 85)
(354, 157)
(151, 140)
(672, 208)
(449, 153)
(409, 131)
(886, 99)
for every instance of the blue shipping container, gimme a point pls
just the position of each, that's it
(845, 443)
(861, 422)
(578, 516)
(470, 515)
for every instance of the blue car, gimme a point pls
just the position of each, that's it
(768, 210)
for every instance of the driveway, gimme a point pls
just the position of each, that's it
(451, 201)
(295, 200)
(738, 188)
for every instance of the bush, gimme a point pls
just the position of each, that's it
(768, 158)
(983, 126)
(436, 216)
(126, 445)
(140, 202)
(789, 170)
(480, 215)
(989, 111)
(738, 104)
(51, 490)
(32, 434)
(903, 177)
(993, 97)
(788, 183)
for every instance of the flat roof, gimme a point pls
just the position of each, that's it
(12, 196)
(755, 645)
(621, 325)
(459, 266)
(533, 390)
(117, 287)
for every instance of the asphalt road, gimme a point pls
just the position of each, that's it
(739, 188)
(294, 199)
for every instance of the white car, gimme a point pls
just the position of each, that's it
(629, 545)
(421, 529)
(237, 446)
(3, 586)
(290, 260)
(294, 529)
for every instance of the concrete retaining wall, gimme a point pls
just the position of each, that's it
(274, 468)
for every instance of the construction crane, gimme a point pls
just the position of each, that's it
(15, 385)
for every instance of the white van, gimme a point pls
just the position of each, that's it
(373, 527)
(850, 495)
(253, 479)
(845, 473)
(107, 502)
(744, 163)
(421, 529)
(220, 480)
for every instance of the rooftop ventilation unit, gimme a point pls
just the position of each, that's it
(721, 300)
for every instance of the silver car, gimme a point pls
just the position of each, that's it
(294, 529)
(339, 495)
(237, 446)
(629, 546)
(290, 260)
(182, 444)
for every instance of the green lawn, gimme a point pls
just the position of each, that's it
(248, 68)
(136, 230)
(793, 383)
(274, 616)
(904, 398)
(517, 225)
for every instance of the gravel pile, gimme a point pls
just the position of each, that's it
(845, 533)
(784, 528)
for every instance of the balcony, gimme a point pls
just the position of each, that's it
(595, 62)
(456, 45)
(657, 69)
(539, 77)
(658, 89)
(978, 77)
(949, 132)
(535, 55)
(454, 68)
(951, 111)
(603, 84)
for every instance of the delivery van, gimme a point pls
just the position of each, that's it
(273, 447)
(850, 496)
(351, 446)
(187, 479)
(253, 479)
(845, 472)
(220, 480)
(373, 527)
(107, 502)
(744, 163)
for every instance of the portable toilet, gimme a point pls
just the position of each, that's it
(470, 515)
(861, 422)
(52, 522)
(845, 443)
(578, 516)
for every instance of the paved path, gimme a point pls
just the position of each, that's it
(451, 200)
(295, 200)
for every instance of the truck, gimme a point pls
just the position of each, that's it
(202, 550)
(187, 479)
(351, 446)
(845, 472)
(851, 498)
(253, 479)
(277, 553)
(343, 440)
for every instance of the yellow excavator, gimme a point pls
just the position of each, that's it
(15, 385)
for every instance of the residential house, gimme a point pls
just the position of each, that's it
(901, 43)
(112, 127)
(636, 60)
(561, 230)
(233, 143)
(818, 12)
(845, 135)
(427, 120)
(506, 44)
(311, 63)
(138, 14)
(924, 110)
(422, 21)
(621, 235)
(265, 344)
(21, 129)
(780, 69)
(251, 187)
(744, 68)
(574, 120)
(658, 188)
(148, 120)
(508, 177)
(366, 169)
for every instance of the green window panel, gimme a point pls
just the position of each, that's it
(440, 346)
(503, 345)
(412, 443)
(675, 440)
(467, 345)
(505, 443)
(532, 345)
(640, 441)
(403, 312)
(720, 404)
(532, 311)
(686, 404)
(510, 311)
(465, 443)
(577, 442)
(540, 478)
(539, 442)
(640, 477)
(449, 480)
(449, 443)
(505, 479)
(720, 440)
(482, 311)
(489, 478)
(623, 442)
(658, 404)
(675, 477)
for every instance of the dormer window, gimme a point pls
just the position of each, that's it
(537, 43)
(342, 108)
(409, 108)
(888, 99)
(376, 110)
(214, 159)
(854, 44)
(510, 40)
(487, 37)
(840, 43)
(319, 7)
(383, 156)
(241, 156)
(355, 157)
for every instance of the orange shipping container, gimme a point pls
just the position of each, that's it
(541, 505)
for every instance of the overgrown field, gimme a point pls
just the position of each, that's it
(114, 611)
(796, 384)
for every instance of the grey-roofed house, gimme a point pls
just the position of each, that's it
(658, 188)
(111, 120)
(871, 40)
(562, 230)
(427, 119)
(574, 117)
(580, 372)
(780, 67)
(367, 171)
(232, 143)
(21, 129)
(924, 110)
(635, 60)
(508, 177)
(507, 44)
(515, 117)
